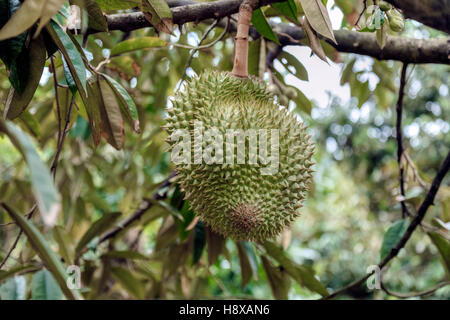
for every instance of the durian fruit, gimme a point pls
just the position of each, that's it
(238, 200)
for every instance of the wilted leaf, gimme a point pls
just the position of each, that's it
(137, 44)
(28, 13)
(318, 18)
(314, 41)
(215, 245)
(45, 287)
(97, 228)
(17, 102)
(46, 254)
(157, 12)
(246, 268)
(47, 197)
(393, 236)
(262, 26)
(112, 121)
(278, 279)
(127, 280)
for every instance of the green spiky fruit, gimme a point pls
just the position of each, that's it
(237, 199)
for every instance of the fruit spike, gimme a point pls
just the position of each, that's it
(240, 200)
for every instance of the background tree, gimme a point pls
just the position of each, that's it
(72, 75)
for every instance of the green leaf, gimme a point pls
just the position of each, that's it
(14, 289)
(300, 70)
(124, 254)
(126, 103)
(302, 102)
(65, 247)
(348, 72)
(71, 54)
(392, 236)
(45, 287)
(277, 278)
(47, 197)
(112, 121)
(137, 44)
(287, 8)
(31, 123)
(18, 100)
(46, 254)
(302, 274)
(254, 48)
(118, 4)
(96, 19)
(92, 105)
(97, 228)
(10, 48)
(128, 282)
(262, 26)
(244, 261)
(318, 18)
(158, 13)
(199, 242)
(28, 13)
(443, 246)
(11, 272)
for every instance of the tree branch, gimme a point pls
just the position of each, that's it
(429, 199)
(433, 13)
(397, 48)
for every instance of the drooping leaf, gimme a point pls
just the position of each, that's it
(92, 105)
(137, 44)
(277, 278)
(246, 268)
(300, 70)
(314, 41)
(46, 254)
(45, 287)
(10, 48)
(126, 103)
(17, 101)
(96, 19)
(158, 13)
(215, 245)
(47, 197)
(49, 9)
(302, 274)
(65, 247)
(392, 236)
(112, 121)
(262, 26)
(28, 13)
(97, 228)
(318, 18)
(128, 281)
(302, 102)
(382, 35)
(199, 242)
(71, 54)
(443, 246)
(14, 289)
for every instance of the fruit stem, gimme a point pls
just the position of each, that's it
(240, 67)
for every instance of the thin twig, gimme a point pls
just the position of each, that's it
(399, 137)
(413, 294)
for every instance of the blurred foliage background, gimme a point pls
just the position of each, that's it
(354, 200)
